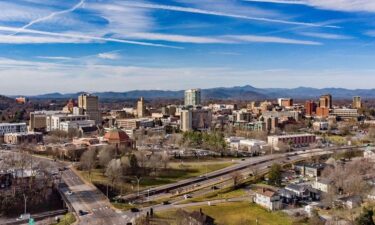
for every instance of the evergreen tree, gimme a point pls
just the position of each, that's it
(365, 218)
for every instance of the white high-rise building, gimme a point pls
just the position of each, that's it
(193, 97)
(6, 128)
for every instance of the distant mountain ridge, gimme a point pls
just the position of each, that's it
(238, 92)
(5, 102)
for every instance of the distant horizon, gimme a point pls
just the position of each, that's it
(178, 90)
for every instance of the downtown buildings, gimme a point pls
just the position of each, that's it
(193, 97)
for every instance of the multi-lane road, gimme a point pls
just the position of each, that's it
(86, 199)
(221, 178)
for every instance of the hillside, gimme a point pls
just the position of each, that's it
(239, 93)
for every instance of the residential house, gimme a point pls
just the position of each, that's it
(268, 199)
(323, 185)
(303, 191)
(310, 169)
(349, 202)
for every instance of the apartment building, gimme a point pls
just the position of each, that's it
(6, 128)
(296, 140)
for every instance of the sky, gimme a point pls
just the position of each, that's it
(120, 45)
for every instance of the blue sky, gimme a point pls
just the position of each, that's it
(119, 45)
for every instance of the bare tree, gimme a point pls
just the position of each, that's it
(155, 162)
(88, 160)
(348, 179)
(142, 158)
(165, 159)
(236, 177)
(106, 155)
(114, 171)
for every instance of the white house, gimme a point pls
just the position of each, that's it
(268, 199)
(369, 154)
(323, 185)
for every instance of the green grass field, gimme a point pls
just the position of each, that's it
(237, 214)
(225, 193)
(67, 219)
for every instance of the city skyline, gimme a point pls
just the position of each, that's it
(109, 45)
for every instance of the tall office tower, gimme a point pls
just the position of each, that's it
(357, 103)
(325, 101)
(193, 97)
(310, 108)
(89, 105)
(195, 119)
(141, 108)
(186, 120)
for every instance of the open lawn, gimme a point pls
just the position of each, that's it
(67, 219)
(225, 193)
(238, 213)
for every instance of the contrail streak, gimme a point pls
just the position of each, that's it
(50, 16)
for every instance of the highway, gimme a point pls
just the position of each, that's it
(221, 178)
(82, 196)
(217, 176)
(87, 198)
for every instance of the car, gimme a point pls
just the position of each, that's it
(69, 192)
(187, 196)
(243, 159)
(82, 213)
(214, 187)
(166, 203)
(134, 210)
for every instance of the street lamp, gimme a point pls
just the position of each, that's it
(138, 180)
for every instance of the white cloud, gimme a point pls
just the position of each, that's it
(338, 5)
(28, 39)
(222, 39)
(55, 57)
(180, 38)
(65, 38)
(370, 33)
(325, 35)
(271, 39)
(51, 37)
(33, 77)
(109, 55)
(217, 13)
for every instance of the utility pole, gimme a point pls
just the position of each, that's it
(25, 199)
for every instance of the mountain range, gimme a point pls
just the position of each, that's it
(239, 93)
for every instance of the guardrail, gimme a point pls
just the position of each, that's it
(167, 188)
(37, 217)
